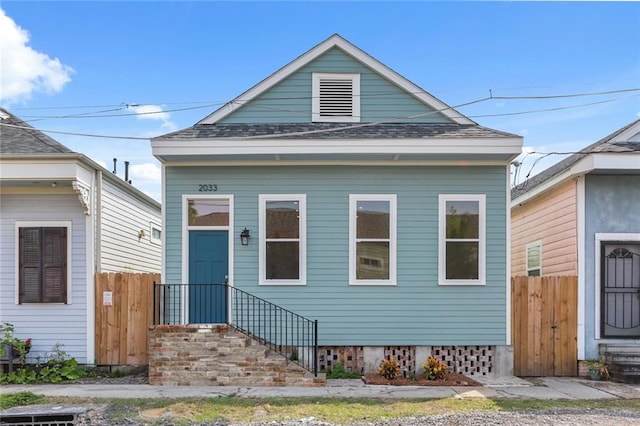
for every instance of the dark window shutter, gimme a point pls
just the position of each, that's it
(30, 265)
(54, 283)
(43, 265)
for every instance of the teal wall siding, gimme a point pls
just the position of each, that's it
(290, 100)
(612, 204)
(415, 312)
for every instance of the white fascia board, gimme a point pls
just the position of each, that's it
(352, 163)
(616, 161)
(591, 162)
(39, 170)
(338, 146)
(356, 53)
(627, 134)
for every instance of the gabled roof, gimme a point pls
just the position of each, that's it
(620, 141)
(351, 50)
(20, 142)
(18, 137)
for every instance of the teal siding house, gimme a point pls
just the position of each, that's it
(340, 191)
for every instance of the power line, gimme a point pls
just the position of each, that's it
(355, 126)
(213, 104)
(89, 135)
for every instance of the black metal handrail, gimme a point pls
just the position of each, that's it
(284, 332)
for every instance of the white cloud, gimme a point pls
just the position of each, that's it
(145, 172)
(153, 112)
(23, 70)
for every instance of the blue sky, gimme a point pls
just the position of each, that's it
(184, 59)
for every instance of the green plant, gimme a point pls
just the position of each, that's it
(21, 376)
(597, 369)
(435, 369)
(57, 371)
(19, 398)
(338, 372)
(57, 368)
(18, 347)
(389, 368)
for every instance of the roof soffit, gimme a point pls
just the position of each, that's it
(353, 51)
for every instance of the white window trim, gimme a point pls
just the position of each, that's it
(185, 240)
(302, 240)
(152, 226)
(44, 224)
(601, 237)
(353, 258)
(442, 228)
(526, 254)
(315, 97)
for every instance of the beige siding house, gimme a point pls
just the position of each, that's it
(548, 221)
(580, 217)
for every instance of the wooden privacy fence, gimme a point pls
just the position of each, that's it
(544, 317)
(124, 312)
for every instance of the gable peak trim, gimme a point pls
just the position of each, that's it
(335, 41)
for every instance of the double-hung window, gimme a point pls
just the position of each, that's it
(461, 257)
(43, 264)
(283, 243)
(372, 246)
(534, 259)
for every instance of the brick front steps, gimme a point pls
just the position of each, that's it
(193, 355)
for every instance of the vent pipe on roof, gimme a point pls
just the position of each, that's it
(115, 162)
(126, 172)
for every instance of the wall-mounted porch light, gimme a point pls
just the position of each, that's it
(244, 237)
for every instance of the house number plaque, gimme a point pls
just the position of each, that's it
(207, 188)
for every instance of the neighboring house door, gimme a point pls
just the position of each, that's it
(620, 299)
(208, 271)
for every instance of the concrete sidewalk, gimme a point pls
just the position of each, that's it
(498, 387)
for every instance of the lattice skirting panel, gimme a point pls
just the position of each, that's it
(406, 357)
(468, 360)
(352, 357)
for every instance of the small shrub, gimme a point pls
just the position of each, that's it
(57, 368)
(338, 372)
(435, 369)
(389, 368)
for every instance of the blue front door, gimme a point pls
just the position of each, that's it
(208, 271)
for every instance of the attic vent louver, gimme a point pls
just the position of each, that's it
(336, 97)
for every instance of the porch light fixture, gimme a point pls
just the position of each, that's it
(244, 237)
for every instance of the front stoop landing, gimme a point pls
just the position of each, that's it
(187, 355)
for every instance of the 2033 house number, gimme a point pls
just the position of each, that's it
(207, 188)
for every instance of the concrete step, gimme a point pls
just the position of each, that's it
(619, 348)
(622, 358)
(626, 377)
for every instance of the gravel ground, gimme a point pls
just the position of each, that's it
(96, 416)
(543, 417)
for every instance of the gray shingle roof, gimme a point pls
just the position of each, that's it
(603, 145)
(336, 131)
(18, 140)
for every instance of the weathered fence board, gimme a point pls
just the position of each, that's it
(124, 312)
(545, 325)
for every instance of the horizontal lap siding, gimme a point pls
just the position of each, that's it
(290, 100)
(552, 218)
(417, 310)
(123, 216)
(45, 324)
